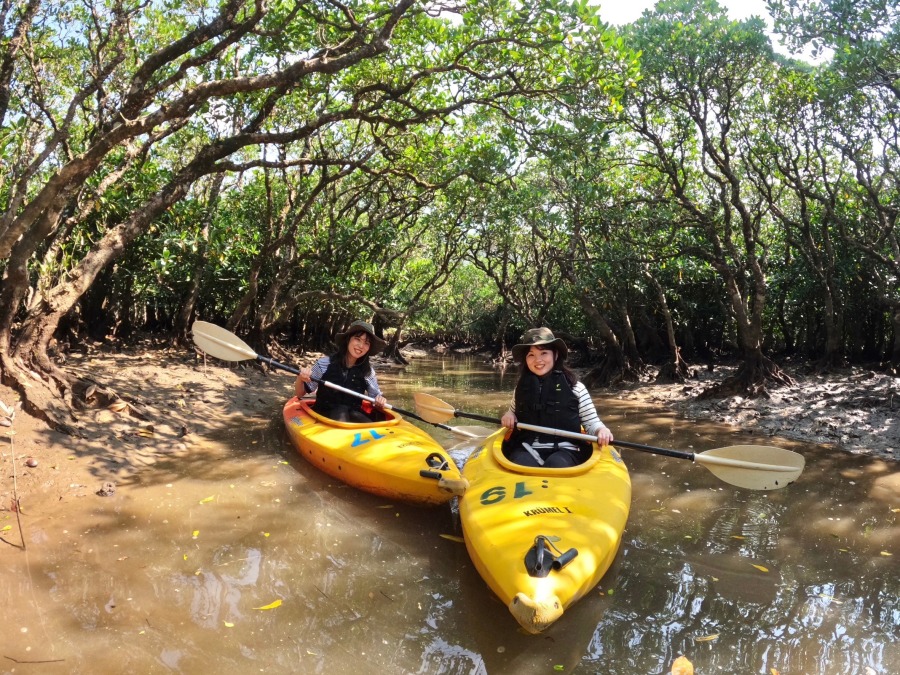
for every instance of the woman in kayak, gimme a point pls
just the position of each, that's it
(548, 394)
(349, 368)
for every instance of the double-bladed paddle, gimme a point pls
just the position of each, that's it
(225, 345)
(756, 467)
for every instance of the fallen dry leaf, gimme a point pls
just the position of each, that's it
(453, 537)
(271, 605)
(682, 666)
(707, 638)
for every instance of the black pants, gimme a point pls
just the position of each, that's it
(343, 413)
(554, 459)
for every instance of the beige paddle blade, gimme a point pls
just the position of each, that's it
(432, 409)
(755, 467)
(220, 343)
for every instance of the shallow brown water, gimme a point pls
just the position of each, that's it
(170, 575)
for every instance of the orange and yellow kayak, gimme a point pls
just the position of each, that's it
(542, 538)
(392, 459)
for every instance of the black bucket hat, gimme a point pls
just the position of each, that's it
(539, 336)
(376, 344)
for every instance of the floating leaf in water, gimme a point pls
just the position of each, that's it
(265, 534)
(682, 666)
(228, 624)
(184, 556)
(761, 568)
(737, 536)
(885, 553)
(895, 510)
(559, 667)
(6, 528)
(207, 500)
(610, 591)
(271, 605)
(707, 638)
(774, 671)
(453, 537)
(195, 534)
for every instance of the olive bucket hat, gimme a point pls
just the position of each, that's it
(535, 337)
(376, 343)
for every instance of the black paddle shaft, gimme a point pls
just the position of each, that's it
(276, 364)
(680, 454)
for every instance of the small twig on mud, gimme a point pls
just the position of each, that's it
(12, 451)
(41, 661)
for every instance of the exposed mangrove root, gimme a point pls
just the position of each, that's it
(611, 373)
(752, 380)
(674, 371)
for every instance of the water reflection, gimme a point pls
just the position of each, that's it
(174, 573)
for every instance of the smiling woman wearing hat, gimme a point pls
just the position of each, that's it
(548, 394)
(349, 367)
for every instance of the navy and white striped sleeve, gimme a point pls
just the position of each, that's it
(318, 370)
(372, 389)
(587, 411)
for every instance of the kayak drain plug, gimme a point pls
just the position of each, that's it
(544, 557)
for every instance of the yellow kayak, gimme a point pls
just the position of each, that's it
(542, 538)
(393, 459)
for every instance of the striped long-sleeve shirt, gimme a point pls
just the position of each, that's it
(321, 365)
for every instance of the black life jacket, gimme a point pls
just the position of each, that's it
(353, 378)
(547, 401)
